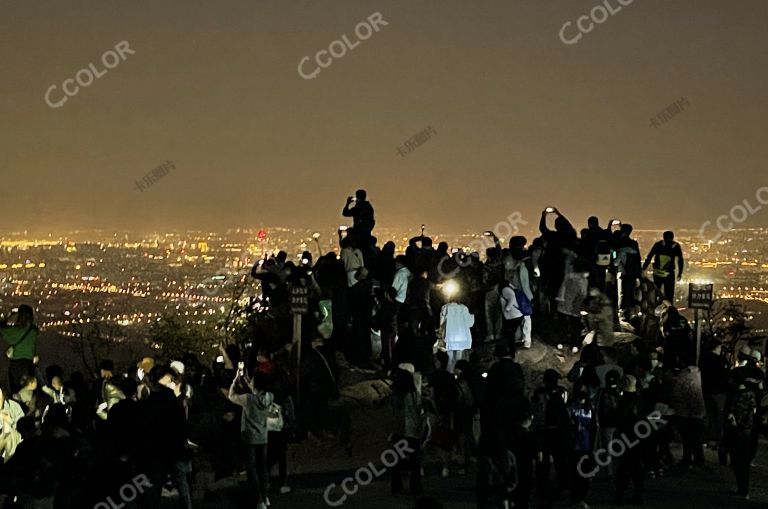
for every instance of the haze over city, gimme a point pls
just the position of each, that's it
(522, 120)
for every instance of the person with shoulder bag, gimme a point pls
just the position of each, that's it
(256, 402)
(280, 418)
(516, 302)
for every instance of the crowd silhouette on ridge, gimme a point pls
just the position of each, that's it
(446, 328)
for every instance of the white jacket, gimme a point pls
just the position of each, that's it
(456, 320)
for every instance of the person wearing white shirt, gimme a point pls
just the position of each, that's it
(10, 413)
(402, 278)
(352, 258)
(518, 280)
(456, 322)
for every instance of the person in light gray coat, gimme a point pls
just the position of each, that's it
(246, 393)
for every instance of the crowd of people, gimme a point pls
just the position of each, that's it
(445, 326)
(68, 443)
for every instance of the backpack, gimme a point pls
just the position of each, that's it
(523, 303)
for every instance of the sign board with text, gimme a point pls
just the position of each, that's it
(700, 296)
(299, 300)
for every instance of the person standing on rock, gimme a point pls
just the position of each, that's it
(664, 254)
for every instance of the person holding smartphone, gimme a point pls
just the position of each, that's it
(361, 212)
(20, 335)
(553, 259)
(247, 393)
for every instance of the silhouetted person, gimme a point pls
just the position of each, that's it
(522, 442)
(584, 430)
(163, 431)
(361, 213)
(408, 425)
(628, 265)
(715, 383)
(664, 253)
(359, 349)
(385, 321)
(741, 417)
(505, 378)
(384, 266)
(594, 247)
(250, 394)
(552, 261)
(552, 423)
(630, 464)
(493, 274)
(420, 253)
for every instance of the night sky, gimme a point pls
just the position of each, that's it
(522, 119)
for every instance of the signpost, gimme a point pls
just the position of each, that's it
(299, 307)
(700, 296)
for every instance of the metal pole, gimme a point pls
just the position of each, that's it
(297, 346)
(698, 336)
(619, 293)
